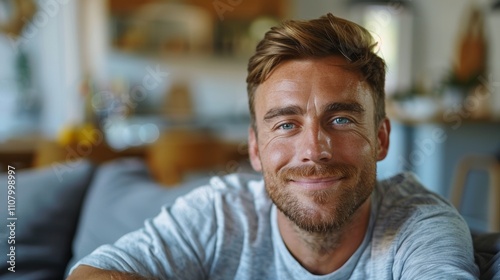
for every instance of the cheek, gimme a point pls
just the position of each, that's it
(276, 154)
(352, 148)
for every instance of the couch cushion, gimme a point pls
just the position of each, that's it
(121, 197)
(487, 254)
(47, 207)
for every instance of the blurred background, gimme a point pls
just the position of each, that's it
(109, 78)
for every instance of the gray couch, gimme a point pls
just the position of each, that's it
(66, 211)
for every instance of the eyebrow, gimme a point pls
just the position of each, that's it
(330, 108)
(284, 111)
(353, 107)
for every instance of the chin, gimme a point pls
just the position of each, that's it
(328, 216)
(327, 210)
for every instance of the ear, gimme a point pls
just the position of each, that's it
(253, 150)
(384, 131)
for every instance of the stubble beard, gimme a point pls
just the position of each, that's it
(332, 209)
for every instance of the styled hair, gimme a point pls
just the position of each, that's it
(317, 38)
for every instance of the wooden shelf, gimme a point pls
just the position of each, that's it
(240, 10)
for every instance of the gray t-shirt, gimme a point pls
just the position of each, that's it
(228, 230)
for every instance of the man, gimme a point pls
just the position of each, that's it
(316, 96)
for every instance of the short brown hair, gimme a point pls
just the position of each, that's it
(326, 36)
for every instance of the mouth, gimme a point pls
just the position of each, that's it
(314, 184)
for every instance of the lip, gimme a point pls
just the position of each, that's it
(314, 184)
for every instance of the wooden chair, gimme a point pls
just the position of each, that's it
(491, 165)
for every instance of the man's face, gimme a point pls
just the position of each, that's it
(316, 141)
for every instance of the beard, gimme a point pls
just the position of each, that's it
(327, 210)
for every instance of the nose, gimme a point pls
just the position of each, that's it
(315, 145)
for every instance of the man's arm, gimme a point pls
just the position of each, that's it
(179, 241)
(89, 272)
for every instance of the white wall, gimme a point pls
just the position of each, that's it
(48, 39)
(304, 9)
(8, 87)
(440, 25)
(437, 26)
(58, 67)
(54, 41)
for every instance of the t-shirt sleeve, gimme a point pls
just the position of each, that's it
(436, 243)
(179, 243)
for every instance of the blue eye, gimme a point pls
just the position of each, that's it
(287, 126)
(341, 121)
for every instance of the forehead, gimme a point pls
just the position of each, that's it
(318, 80)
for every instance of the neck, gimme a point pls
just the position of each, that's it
(323, 253)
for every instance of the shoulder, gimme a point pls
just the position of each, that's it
(404, 190)
(417, 228)
(233, 185)
(237, 191)
(403, 201)
(238, 183)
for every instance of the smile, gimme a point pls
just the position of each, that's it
(314, 184)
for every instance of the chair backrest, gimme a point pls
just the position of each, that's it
(491, 165)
